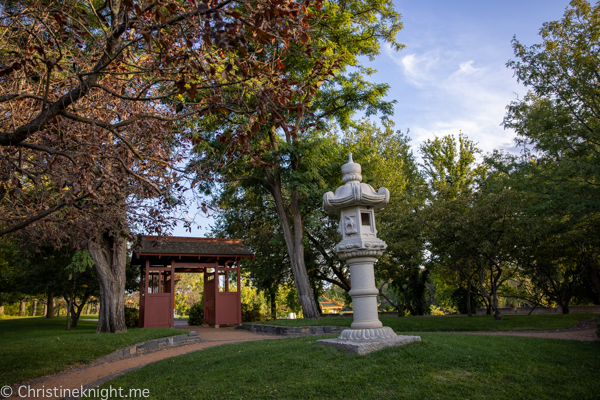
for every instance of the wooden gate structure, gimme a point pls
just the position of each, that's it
(217, 259)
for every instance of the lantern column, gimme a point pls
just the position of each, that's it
(356, 203)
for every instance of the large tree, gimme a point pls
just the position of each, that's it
(285, 159)
(91, 94)
(470, 221)
(558, 125)
(251, 215)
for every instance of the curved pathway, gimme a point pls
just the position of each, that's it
(97, 373)
(582, 334)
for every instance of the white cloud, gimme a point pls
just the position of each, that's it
(448, 91)
(466, 68)
(418, 69)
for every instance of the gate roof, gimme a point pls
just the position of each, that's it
(189, 249)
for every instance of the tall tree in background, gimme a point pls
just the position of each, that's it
(387, 161)
(286, 160)
(558, 125)
(467, 225)
(449, 165)
(251, 215)
(91, 93)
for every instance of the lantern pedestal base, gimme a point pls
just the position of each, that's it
(365, 341)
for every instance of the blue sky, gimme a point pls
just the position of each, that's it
(452, 74)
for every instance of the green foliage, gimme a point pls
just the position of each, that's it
(251, 312)
(289, 167)
(459, 300)
(558, 125)
(449, 164)
(11, 309)
(188, 291)
(196, 316)
(80, 262)
(132, 317)
(292, 302)
(181, 304)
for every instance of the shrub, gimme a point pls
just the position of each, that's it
(441, 310)
(196, 314)
(132, 317)
(459, 301)
(250, 313)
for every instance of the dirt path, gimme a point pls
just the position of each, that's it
(586, 335)
(95, 374)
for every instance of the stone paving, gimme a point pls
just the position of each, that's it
(293, 330)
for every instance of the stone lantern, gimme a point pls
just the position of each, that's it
(356, 203)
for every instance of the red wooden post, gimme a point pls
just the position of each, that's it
(205, 300)
(239, 293)
(226, 265)
(216, 283)
(142, 298)
(172, 317)
(146, 274)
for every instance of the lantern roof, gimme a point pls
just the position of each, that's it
(354, 192)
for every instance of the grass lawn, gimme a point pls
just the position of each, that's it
(446, 324)
(441, 366)
(31, 347)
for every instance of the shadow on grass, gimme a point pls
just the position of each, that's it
(441, 366)
(36, 346)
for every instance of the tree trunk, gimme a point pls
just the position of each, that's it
(45, 309)
(492, 302)
(69, 302)
(565, 308)
(77, 309)
(594, 280)
(70, 306)
(497, 315)
(22, 309)
(273, 294)
(109, 255)
(494, 299)
(469, 313)
(295, 248)
(50, 305)
(1, 310)
(402, 308)
(75, 316)
(34, 308)
(87, 311)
